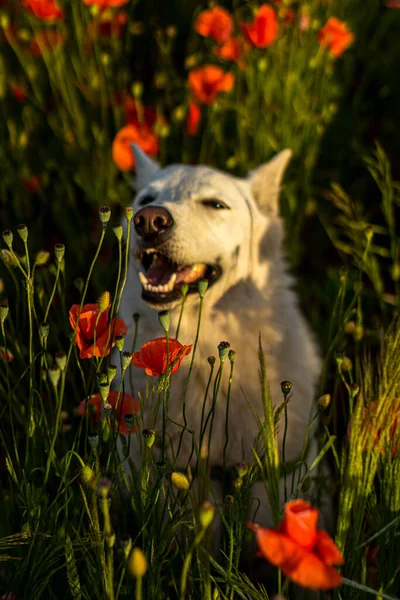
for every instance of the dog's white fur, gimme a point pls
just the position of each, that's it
(253, 295)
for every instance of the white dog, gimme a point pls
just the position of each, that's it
(197, 222)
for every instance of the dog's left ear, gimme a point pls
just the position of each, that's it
(265, 182)
(145, 167)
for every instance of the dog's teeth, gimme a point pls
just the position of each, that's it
(143, 279)
(171, 282)
(150, 251)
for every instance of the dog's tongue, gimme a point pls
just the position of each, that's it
(161, 270)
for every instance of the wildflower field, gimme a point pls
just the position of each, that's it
(227, 85)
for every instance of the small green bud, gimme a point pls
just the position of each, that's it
(8, 238)
(44, 329)
(42, 257)
(232, 355)
(149, 437)
(3, 312)
(347, 365)
(126, 360)
(61, 360)
(111, 372)
(241, 469)
(354, 389)
(286, 388)
(324, 401)
(94, 442)
(206, 514)
(9, 258)
(211, 360)
(118, 231)
(126, 544)
(88, 475)
(104, 391)
(54, 375)
(339, 357)
(223, 350)
(104, 302)
(137, 89)
(129, 213)
(119, 342)
(105, 215)
(165, 320)
(128, 420)
(180, 481)
(104, 487)
(184, 289)
(137, 563)
(202, 287)
(23, 232)
(237, 483)
(59, 251)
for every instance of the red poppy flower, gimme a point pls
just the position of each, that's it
(263, 30)
(336, 36)
(233, 49)
(18, 93)
(32, 184)
(193, 119)
(117, 400)
(142, 135)
(303, 553)
(208, 81)
(104, 4)
(108, 24)
(45, 40)
(152, 356)
(86, 328)
(46, 10)
(216, 23)
(7, 356)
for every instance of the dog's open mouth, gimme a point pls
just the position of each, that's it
(162, 278)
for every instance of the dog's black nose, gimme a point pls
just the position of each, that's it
(152, 220)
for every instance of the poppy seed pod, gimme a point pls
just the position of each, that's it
(8, 238)
(105, 215)
(59, 251)
(23, 232)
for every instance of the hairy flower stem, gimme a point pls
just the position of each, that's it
(56, 429)
(165, 394)
(180, 317)
(227, 416)
(284, 448)
(187, 561)
(52, 292)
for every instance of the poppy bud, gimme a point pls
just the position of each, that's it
(184, 289)
(354, 389)
(237, 483)
(324, 401)
(242, 469)
(137, 563)
(54, 375)
(8, 238)
(118, 231)
(129, 213)
(9, 259)
(104, 214)
(104, 487)
(42, 258)
(126, 545)
(223, 350)
(286, 387)
(61, 360)
(149, 436)
(165, 320)
(202, 287)
(88, 475)
(232, 355)
(211, 360)
(23, 232)
(3, 312)
(59, 251)
(206, 514)
(119, 342)
(111, 372)
(104, 302)
(94, 442)
(180, 481)
(126, 360)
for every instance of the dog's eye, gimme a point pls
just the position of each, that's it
(217, 204)
(145, 200)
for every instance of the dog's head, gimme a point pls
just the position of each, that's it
(192, 223)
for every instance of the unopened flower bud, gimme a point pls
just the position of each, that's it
(184, 289)
(232, 355)
(354, 389)
(137, 89)
(111, 372)
(206, 514)
(126, 360)
(241, 469)
(180, 481)
(350, 327)
(104, 302)
(286, 387)
(104, 214)
(223, 350)
(8, 238)
(126, 545)
(149, 436)
(211, 360)
(202, 287)
(88, 475)
(104, 487)
(339, 357)
(129, 213)
(42, 257)
(54, 375)
(61, 360)
(165, 320)
(23, 232)
(137, 563)
(119, 342)
(347, 365)
(324, 401)
(59, 251)
(3, 312)
(118, 231)
(237, 483)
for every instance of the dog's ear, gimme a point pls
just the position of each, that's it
(145, 167)
(265, 182)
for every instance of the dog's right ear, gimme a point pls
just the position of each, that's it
(265, 182)
(145, 167)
